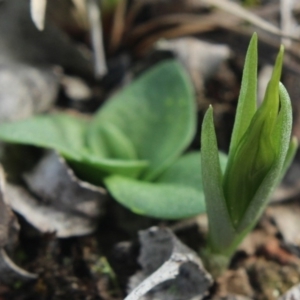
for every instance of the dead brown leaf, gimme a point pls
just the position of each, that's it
(167, 264)
(63, 204)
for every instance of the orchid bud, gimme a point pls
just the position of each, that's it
(260, 152)
(255, 152)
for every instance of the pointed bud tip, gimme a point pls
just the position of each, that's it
(208, 113)
(280, 53)
(210, 108)
(278, 66)
(253, 39)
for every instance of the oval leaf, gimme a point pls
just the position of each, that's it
(156, 112)
(176, 194)
(61, 132)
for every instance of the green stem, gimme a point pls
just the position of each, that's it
(215, 264)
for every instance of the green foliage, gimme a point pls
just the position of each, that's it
(160, 197)
(133, 144)
(61, 132)
(176, 193)
(259, 154)
(156, 114)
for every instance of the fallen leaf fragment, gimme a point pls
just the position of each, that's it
(292, 294)
(9, 271)
(286, 218)
(38, 11)
(285, 192)
(8, 223)
(196, 55)
(26, 90)
(237, 10)
(167, 264)
(201, 59)
(20, 41)
(75, 88)
(65, 205)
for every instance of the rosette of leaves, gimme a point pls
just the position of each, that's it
(133, 144)
(260, 152)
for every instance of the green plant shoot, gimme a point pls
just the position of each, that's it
(133, 144)
(260, 152)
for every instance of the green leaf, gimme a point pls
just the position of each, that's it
(246, 107)
(255, 153)
(156, 113)
(221, 230)
(281, 138)
(166, 201)
(61, 132)
(108, 141)
(94, 169)
(139, 132)
(185, 171)
(259, 153)
(176, 194)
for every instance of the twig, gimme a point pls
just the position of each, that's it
(118, 25)
(237, 10)
(288, 23)
(94, 16)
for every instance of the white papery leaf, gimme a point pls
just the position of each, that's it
(38, 11)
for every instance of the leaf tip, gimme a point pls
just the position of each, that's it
(279, 60)
(208, 114)
(253, 41)
(254, 36)
(281, 49)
